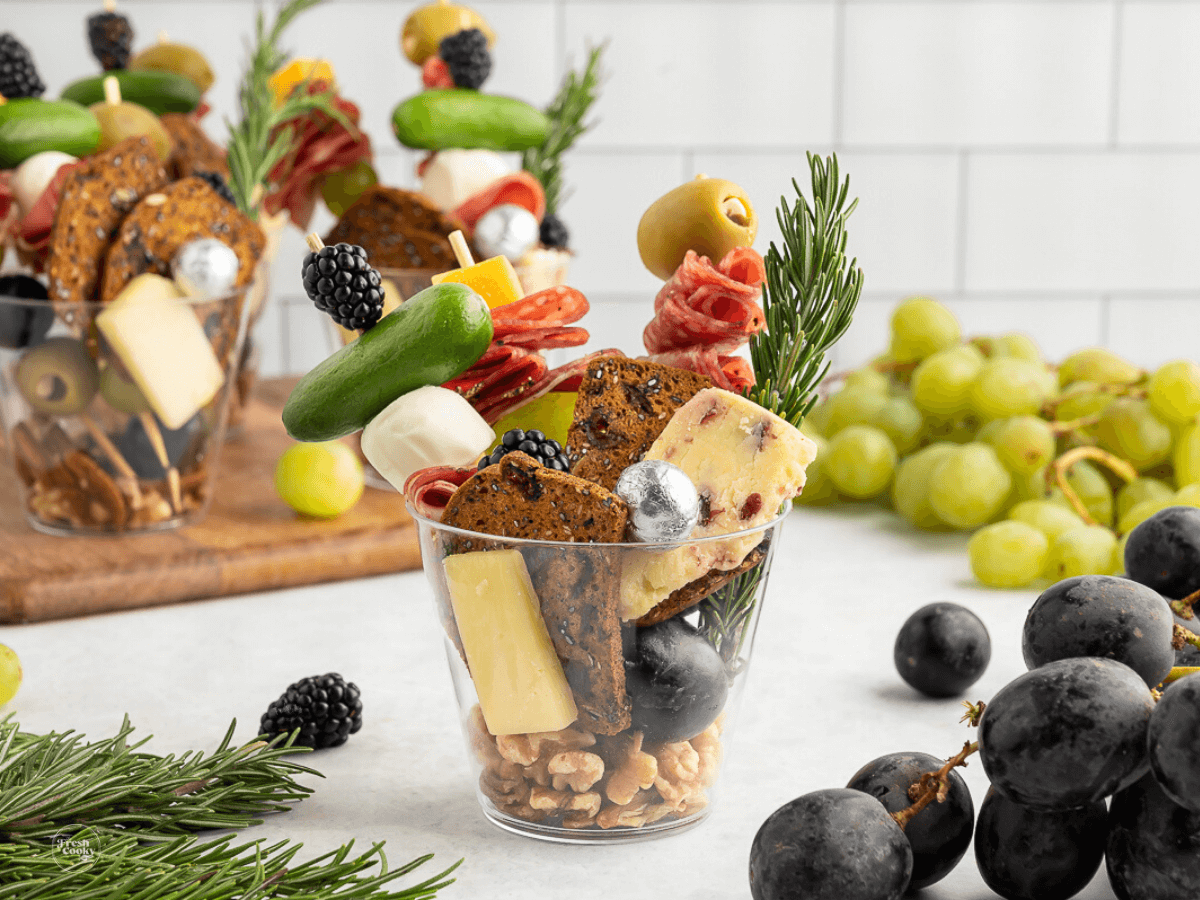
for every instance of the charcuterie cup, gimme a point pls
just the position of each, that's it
(580, 727)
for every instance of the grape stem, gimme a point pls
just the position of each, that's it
(1180, 672)
(1181, 637)
(1057, 471)
(1184, 608)
(974, 712)
(1061, 428)
(933, 785)
(1117, 390)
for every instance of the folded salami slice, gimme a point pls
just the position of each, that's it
(558, 305)
(731, 373)
(429, 490)
(566, 377)
(547, 338)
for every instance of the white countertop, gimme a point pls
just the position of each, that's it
(822, 699)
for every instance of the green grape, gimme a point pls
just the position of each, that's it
(861, 461)
(1008, 387)
(1174, 391)
(1093, 490)
(818, 418)
(1188, 495)
(1008, 554)
(1016, 345)
(10, 674)
(988, 430)
(1082, 551)
(1081, 400)
(1140, 512)
(341, 189)
(1030, 487)
(1049, 518)
(322, 479)
(961, 429)
(1024, 444)
(852, 406)
(920, 328)
(808, 429)
(1186, 457)
(818, 486)
(901, 421)
(1130, 430)
(1098, 365)
(868, 377)
(1131, 494)
(910, 489)
(969, 486)
(941, 384)
(1118, 561)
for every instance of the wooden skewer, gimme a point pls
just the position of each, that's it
(129, 479)
(112, 90)
(160, 450)
(110, 6)
(461, 251)
(314, 242)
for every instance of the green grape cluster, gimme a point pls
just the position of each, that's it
(970, 435)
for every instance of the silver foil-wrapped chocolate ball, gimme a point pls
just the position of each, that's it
(663, 502)
(205, 267)
(506, 230)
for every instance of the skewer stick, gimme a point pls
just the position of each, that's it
(112, 90)
(461, 251)
(129, 479)
(314, 242)
(110, 6)
(160, 450)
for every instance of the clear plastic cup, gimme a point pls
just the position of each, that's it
(599, 780)
(90, 453)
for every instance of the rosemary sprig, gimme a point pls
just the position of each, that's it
(809, 295)
(252, 151)
(121, 867)
(566, 114)
(107, 820)
(724, 613)
(55, 781)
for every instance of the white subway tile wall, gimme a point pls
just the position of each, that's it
(1034, 164)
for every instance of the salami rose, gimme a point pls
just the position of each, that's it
(429, 490)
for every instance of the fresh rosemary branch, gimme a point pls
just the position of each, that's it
(122, 868)
(723, 615)
(809, 295)
(55, 781)
(566, 113)
(252, 151)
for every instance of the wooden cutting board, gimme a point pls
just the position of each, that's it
(249, 541)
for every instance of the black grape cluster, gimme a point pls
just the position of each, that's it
(1103, 714)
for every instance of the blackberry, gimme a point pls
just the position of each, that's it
(111, 37)
(340, 282)
(18, 75)
(217, 182)
(553, 233)
(466, 55)
(533, 443)
(326, 708)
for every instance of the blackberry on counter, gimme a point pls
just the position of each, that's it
(466, 54)
(533, 443)
(340, 282)
(18, 75)
(111, 38)
(326, 708)
(553, 233)
(218, 183)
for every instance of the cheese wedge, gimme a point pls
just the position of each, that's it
(163, 346)
(745, 462)
(495, 280)
(518, 678)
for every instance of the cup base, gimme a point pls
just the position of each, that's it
(559, 835)
(69, 530)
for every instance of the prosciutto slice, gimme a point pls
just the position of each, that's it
(429, 490)
(704, 313)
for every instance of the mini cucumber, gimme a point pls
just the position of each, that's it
(430, 338)
(29, 125)
(158, 91)
(469, 120)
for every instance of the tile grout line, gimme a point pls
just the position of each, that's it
(1114, 86)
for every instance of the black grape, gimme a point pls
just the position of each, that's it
(1098, 615)
(941, 832)
(1153, 850)
(1029, 854)
(832, 844)
(1066, 734)
(942, 649)
(1164, 552)
(1174, 742)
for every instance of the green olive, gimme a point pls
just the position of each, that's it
(119, 121)
(708, 215)
(58, 377)
(120, 393)
(167, 56)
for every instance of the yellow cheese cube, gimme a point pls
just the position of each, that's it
(162, 344)
(495, 280)
(517, 675)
